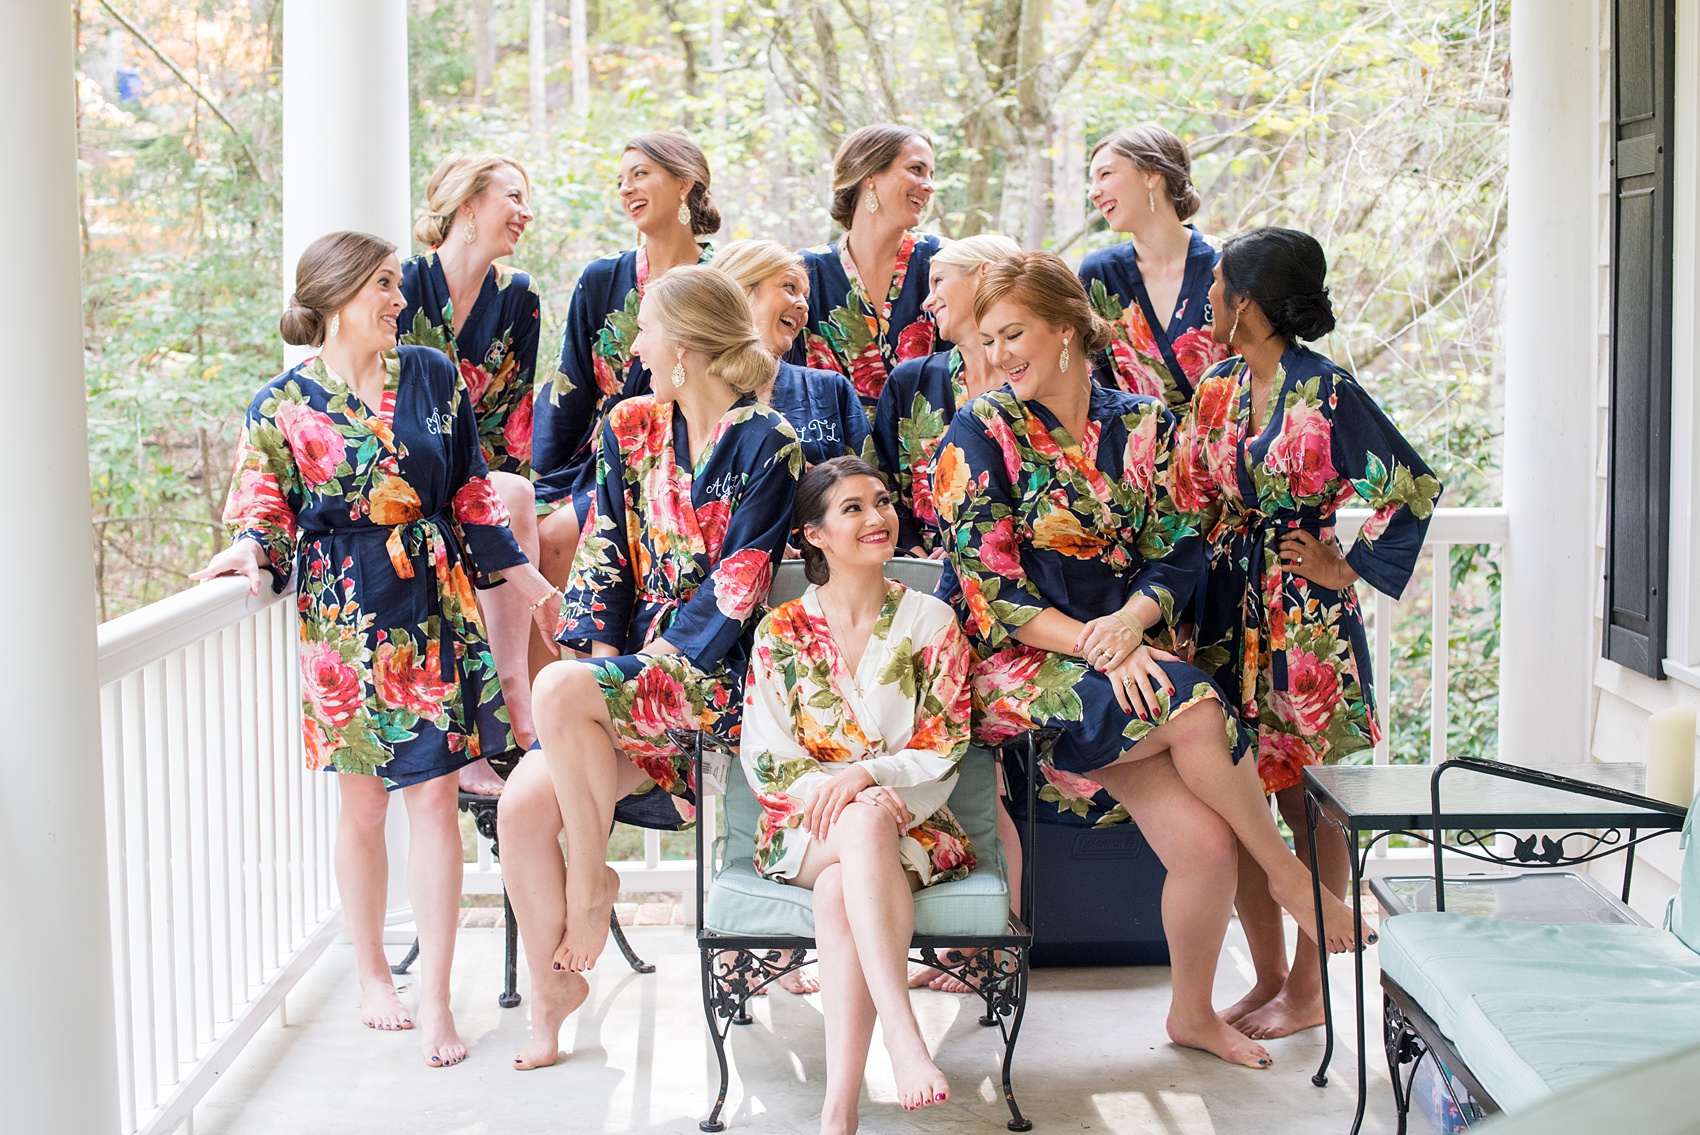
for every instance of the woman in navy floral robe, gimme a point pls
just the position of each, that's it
(693, 504)
(1068, 549)
(1154, 289)
(866, 288)
(477, 208)
(359, 473)
(1277, 439)
(664, 189)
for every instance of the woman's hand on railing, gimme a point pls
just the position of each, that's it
(832, 797)
(1137, 680)
(241, 558)
(1318, 561)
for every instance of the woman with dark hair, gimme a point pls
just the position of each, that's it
(1153, 290)
(484, 316)
(664, 189)
(1068, 551)
(1277, 439)
(856, 720)
(355, 472)
(866, 288)
(693, 503)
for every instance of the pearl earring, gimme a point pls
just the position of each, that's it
(471, 233)
(678, 375)
(336, 324)
(873, 200)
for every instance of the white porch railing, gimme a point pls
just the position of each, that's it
(219, 839)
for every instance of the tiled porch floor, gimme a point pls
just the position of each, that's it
(1092, 1057)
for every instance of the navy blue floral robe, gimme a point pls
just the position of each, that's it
(915, 409)
(822, 407)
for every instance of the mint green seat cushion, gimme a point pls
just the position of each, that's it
(1534, 1008)
(741, 902)
(1685, 907)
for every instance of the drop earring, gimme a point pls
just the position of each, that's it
(336, 324)
(678, 375)
(873, 200)
(1062, 363)
(1235, 327)
(1151, 197)
(471, 233)
(684, 212)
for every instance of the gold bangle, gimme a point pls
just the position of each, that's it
(553, 594)
(1127, 620)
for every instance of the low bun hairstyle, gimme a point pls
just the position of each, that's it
(813, 492)
(864, 153)
(703, 310)
(330, 272)
(1155, 149)
(1044, 284)
(459, 178)
(684, 159)
(1284, 272)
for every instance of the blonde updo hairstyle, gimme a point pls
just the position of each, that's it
(330, 272)
(684, 159)
(459, 178)
(863, 154)
(972, 251)
(702, 309)
(751, 262)
(1155, 149)
(1044, 284)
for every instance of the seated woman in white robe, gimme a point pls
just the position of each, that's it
(856, 716)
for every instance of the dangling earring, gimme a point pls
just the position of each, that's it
(873, 200)
(336, 324)
(1151, 197)
(678, 375)
(684, 211)
(1235, 327)
(1062, 363)
(471, 233)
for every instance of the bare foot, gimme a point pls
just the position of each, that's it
(920, 975)
(919, 1081)
(1281, 1017)
(480, 779)
(1218, 1038)
(798, 982)
(1250, 1003)
(380, 1008)
(550, 1007)
(442, 1044)
(1293, 893)
(587, 920)
(950, 983)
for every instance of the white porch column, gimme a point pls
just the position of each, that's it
(1550, 594)
(58, 1045)
(345, 166)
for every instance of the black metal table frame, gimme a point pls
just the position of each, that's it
(1480, 832)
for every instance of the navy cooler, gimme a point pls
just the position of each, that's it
(1097, 892)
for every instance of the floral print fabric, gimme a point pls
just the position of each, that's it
(495, 350)
(1035, 519)
(368, 506)
(1151, 354)
(903, 714)
(681, 552)
(596, 372)
(916, 406)
(1293, 653)
(852, 334)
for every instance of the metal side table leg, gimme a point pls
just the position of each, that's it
(1320, 1077)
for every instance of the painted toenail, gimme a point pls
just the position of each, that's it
(939, 1097)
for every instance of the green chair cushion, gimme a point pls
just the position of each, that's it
(1534, 1008)
(741, 902)
(1685, 907)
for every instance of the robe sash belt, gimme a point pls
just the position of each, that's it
(1254, 538)
(665, 607)
(423, 544)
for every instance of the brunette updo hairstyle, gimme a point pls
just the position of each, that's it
(1282, 271)
(1155, 149)
(684, 159)
(702, 309)
(459, 178)
(813, 494)
(330, 272)
(1044, 284)
(864, 153)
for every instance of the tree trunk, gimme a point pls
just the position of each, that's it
(483, 51)
(539, 40)
(578, 28)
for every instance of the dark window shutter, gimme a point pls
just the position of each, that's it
(1638, 541)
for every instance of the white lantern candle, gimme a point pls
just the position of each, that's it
(1670, 755)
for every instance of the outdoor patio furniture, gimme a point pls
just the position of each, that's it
(1515, 1011)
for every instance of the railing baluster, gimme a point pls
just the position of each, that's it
(651, 848)
(147, 1040)
(200, 843)
(180, 865)
(160, 859)
(248, 813)
(1383, 666)
(117, 857)
(1440, 638)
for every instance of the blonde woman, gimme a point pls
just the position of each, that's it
(923, 394)
(866, 288)
(693, 505)
(484, 316)
(821, 405)
(664, 190)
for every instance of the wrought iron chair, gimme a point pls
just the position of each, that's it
(753, 931)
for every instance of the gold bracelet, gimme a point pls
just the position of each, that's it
(553, 594)
(1131, 623)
